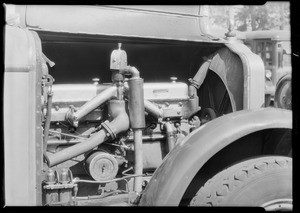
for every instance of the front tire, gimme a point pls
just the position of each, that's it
(263, 181)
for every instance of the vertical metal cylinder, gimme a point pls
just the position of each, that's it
(65, 195)
(51, 196)
(170, 136)
(50, 177)
(136, 103)
(137, 122)
(47, 122)
(138, 159)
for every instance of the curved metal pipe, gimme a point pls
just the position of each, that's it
(74, 116)
(119, 124)
(170, 136)
(132, 70)
(153, 109)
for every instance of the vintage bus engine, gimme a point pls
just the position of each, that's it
(81, 136)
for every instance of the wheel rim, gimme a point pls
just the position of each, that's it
(279, 205)
(283, 96)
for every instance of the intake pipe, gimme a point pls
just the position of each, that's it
(73, 116)
(119, 123)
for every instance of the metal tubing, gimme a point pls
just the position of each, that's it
(136, 103)
(119, 124)
(77, 149)
(74, 117)
(130, 139)
(137, 121)
(47, 122)
(132, 70)
(153, 109)
(138, 159)
(169, 135)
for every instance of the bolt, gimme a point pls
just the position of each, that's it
(96, 80)
(180, 104)
(173, 79)
(177, 124)
(56, 108)
(167, 104)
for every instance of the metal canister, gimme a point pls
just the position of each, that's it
(65, 194)
(136, 103)
(50, 195)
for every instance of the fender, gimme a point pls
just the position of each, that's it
(172, 178)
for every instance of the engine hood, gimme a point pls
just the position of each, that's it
(184, 23)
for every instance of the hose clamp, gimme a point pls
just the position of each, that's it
(194, 83)
(110, 131)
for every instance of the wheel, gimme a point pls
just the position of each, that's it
(283, 97)
(263, 181)
(207, 114)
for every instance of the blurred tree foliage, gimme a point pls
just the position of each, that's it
(272, 15)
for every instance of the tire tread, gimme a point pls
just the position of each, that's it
(219, 186)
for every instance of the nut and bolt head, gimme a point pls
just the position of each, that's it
(96, 80)
(177, 124)
(173, 79)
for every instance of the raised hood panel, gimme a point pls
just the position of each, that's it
(174, 22)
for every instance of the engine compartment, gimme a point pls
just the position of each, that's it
(79, 109)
